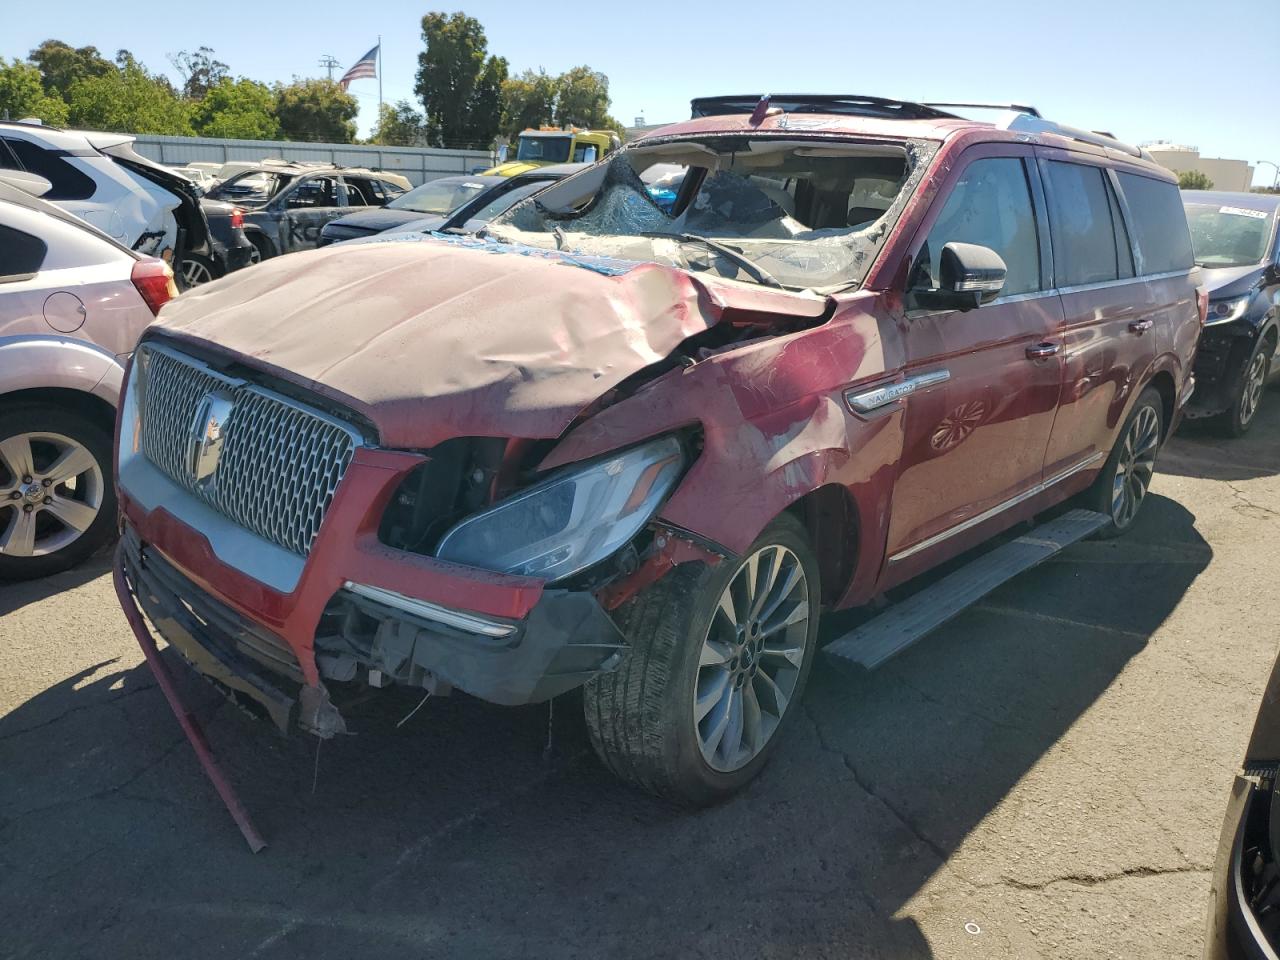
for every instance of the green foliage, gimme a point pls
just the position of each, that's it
(22, 95)
(1194, 180)
(128, 100)
(316, 111)
(528, 100)
(582, 98)
(399, 126)
(459, 84)
(61, 65)
(199, 72)
(237, 109)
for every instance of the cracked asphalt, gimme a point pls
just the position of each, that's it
(1043, 777)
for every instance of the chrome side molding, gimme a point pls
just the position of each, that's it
(866, 401)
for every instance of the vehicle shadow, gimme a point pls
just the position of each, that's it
(18, 594)
(471, 831)
(1197, 451)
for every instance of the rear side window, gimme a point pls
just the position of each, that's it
(21, 254)
(1159, 224)
(68, 182)
(990, 205)
(1084, 240)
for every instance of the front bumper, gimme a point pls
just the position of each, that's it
(1219, 367)
(563, 640)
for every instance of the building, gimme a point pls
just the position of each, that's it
(1225, 174)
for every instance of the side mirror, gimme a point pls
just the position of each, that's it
(970, 275)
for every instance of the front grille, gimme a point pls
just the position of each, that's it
(280, 462)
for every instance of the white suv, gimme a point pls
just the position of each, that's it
(100, 178)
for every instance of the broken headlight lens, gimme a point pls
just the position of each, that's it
(577, 518)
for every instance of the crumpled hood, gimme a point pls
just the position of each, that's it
(431, 339)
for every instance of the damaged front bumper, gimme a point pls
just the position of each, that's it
(376, 636)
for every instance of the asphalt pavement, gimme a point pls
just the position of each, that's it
(1043, 777)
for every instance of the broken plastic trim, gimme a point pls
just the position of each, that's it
(433, 612)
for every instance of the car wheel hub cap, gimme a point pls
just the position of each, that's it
(749, 664)
(51, 490)
(1253, 386)
(1135, 466)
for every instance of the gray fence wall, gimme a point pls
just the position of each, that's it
(419, 164)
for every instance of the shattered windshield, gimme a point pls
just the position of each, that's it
(795, 213)
(250, 187)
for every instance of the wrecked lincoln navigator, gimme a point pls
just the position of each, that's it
(637, 448)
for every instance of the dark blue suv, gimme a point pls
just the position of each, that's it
(1234, 235)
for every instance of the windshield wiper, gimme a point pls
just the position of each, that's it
(737, 256)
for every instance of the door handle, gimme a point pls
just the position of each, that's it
(1141, 326)
(1042, 351)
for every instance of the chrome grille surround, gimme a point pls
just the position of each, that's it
(280, 463)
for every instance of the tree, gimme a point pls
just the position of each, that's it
(459, 84)
(199, 71)
(316, 110)
(1194, 180)
(582, 100)
(128, 100)
(60, 65)
(528, 100)
(22, 95)
(239, 109)
(399, 126)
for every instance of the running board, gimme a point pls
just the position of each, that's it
(904, 623)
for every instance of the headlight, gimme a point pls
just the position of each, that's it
(563, 525)
(1224, 311)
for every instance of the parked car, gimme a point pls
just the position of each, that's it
(72, 304)
(201, 177)
(100, 178)
(232, 248)
(285, 205)
(1236, 242)
(1244, 901)
(450, 203)
(636, 450)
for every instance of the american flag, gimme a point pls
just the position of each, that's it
(366, 66)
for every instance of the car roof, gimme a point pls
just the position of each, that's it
(925, 124)
(20, 198)
(1250, 201)
(551, 170)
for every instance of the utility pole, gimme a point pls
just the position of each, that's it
(327, 62)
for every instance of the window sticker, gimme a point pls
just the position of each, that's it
(1242, 212)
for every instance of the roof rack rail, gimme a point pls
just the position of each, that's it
(1024, 118)
(1015, 107)
(850, 104)
(1023, 123)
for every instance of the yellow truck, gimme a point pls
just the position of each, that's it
(548, 145)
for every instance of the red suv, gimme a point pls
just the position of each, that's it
(637, 446)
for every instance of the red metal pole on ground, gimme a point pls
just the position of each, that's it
(187, 720)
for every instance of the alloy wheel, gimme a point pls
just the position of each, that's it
(1135, 467)
(1255, 382)
(750, 661)
(51, 491)
(195, 273)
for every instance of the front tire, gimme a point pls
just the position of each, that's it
(718, 662)
(57, 502)
(1125, 479)
(1253, 385)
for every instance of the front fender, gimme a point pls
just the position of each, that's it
(50, 361)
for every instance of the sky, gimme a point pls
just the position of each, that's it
(1172, 70)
